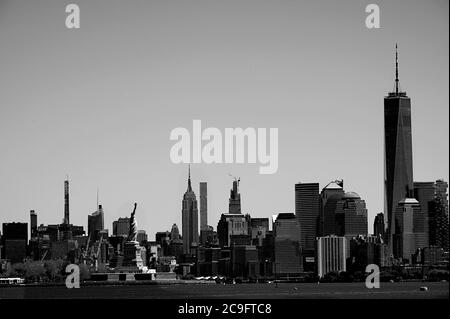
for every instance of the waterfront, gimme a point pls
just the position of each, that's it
(397, 290)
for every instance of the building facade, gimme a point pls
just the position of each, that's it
(331, 254)
(307, 213)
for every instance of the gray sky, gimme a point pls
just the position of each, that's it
(99, 103)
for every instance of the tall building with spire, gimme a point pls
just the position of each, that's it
(189, 217)
(398, 150)
(96, 223)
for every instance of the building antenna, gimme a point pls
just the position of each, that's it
(396, 69)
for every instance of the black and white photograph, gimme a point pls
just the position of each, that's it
(223, 158)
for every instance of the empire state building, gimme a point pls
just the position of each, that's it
(189, 218)
(398, 150)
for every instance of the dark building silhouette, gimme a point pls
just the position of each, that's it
(175, 233)
(329, 197)
(121, 227)
(365, 250)
(96, 223)
(66, 202)
(33, 224)
(189, 218)
(398, 150)
(307, 213)
(351, 215)
(208, 237)
(203, 205)
(244, 261)
(379, 226)
(235, 198)
(439, 218)
(14, 241)
(258, 230)
(287, 250)
(424, 192)
(231, 225)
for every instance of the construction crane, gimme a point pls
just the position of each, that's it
(43, 256)
(236, 179)
(86, 249)
(98, 253)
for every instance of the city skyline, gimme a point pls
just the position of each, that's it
(102, 134)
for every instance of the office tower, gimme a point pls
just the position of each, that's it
(235, 198)
(66, 202)
(379, 226)
(307, 213)
(351, 215)
(424, 192)
(203, 205)
(175, 232)
(331, 254)
(287, 251)
(189, 218)
(441, 191)
(176, 244)
(121, 227)
(439, 218)
(14, 241)
(258, 229)
(231, 225)
(365, 250)
(329, 196)
(208, 261)
(405, 239)
(162, 236)
(244, 261)
(95, 223)
(141, 236)
(208, 237)
(398, 150)
(33, 224)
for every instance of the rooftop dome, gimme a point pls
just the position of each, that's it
(351, 195)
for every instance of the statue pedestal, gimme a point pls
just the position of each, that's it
(133, 255)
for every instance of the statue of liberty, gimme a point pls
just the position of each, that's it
(133, 226)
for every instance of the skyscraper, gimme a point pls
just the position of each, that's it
(189, 218)
(438, 221)
(351, 215)
(331, 254)
(424, 193)
(235, 198)
(174, 233)
(121, 227)
(441, 187)
(287, 250)
(379, 226)
(398, 150)
(404, 238)
(33, 224)
(307, 213)
(329, 197)
(203, 205)
(66, 202)
(231, 225)
(95, 223)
